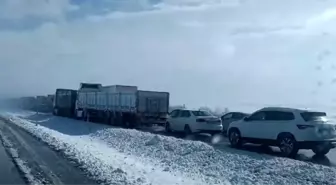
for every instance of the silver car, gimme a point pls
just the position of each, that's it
(231, 117)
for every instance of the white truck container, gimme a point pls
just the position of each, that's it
(109, 98)
(119, 89)
(122, 105)
(88, 87)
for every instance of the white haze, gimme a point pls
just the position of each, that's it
(217, 53)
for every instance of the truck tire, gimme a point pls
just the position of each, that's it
(128, 124)
(77, 116)
(167, 127)
(85, 116)
(55, 112)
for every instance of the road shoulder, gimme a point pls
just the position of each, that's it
(45, 165)
(10, 174)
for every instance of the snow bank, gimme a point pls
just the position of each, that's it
(102, 162)
(123, 156)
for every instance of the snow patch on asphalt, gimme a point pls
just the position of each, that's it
(125, 156)
(24, 169)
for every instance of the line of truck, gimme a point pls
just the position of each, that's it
(118, 105)
(33, 103)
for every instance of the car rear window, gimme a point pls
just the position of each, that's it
(313, 116)
(200, 113)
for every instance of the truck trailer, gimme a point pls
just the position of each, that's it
(121, 105)
(64, 102)
(28, 103)
(43, 104)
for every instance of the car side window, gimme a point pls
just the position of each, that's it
(258, 116)
(175, 113)
(185, 114)
(227, 116)
(279, 116)
(238, 116)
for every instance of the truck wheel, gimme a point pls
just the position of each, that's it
(167, 127)
(78, 115)
(288, 145)
(127, 124)
(85, 116)
(55, 112)
(321, 150)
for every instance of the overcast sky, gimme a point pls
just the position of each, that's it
(216, 53)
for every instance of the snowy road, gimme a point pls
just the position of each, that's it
(35, 161)
(123, 156)
(9, 172)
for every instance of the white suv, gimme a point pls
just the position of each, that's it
(193, 121)
(290, 129)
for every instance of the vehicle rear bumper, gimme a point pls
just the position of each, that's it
(312, 144)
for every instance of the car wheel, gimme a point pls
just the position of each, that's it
(167, 127)
(288, 145)
(321, 150)
(187, 130)
(235, 138)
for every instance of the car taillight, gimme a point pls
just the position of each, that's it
(305, 126)
(200, 120)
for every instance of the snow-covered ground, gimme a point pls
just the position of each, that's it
(121, 156)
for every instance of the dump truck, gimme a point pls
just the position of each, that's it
(43, 104)
(64, 102)
(121, 105)
(28, 103)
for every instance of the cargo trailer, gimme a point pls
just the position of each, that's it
(152, 107)
(121, 105)
(28, 103)
(64, 102)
